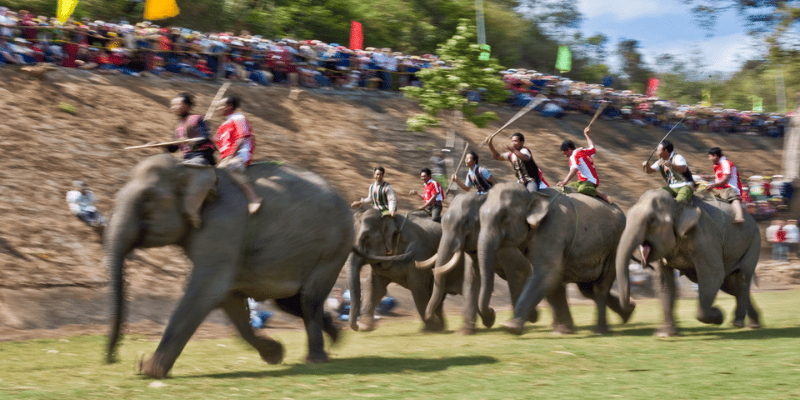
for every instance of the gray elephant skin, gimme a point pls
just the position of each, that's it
(459, 245)
(391, 245)
(291, 251)
(702, 242)
(565, 238)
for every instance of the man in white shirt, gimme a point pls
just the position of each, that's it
(674, 170)
(81, 204)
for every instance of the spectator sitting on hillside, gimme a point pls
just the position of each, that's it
(7, 55)
(81, 204)
(776, 234)
(792, 237)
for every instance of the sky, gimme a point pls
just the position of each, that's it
(667, 26)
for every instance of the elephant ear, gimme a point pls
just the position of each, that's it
(390, 231)
(537, 209)
(687, 219)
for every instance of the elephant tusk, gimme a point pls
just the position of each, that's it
(427, 264)
(450, 264)
(644, 250)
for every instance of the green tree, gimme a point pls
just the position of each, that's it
(444, 88)
(632, 64)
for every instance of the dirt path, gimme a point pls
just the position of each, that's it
(52, 280)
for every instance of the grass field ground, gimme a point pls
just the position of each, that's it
(397, 361)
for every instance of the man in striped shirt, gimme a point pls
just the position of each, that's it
(727, 186)
(381, 194)
(581, 163)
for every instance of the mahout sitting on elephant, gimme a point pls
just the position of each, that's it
(459, 245)
(565, 238)
(703, 243)
(390, 244)
(291, 251)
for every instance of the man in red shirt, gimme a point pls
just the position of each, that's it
(727, 186)
(236, 144)
(581, 162)
(432, 196)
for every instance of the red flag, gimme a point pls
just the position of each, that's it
(652, 87)
(356, 36)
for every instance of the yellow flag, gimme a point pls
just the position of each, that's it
(65, 9)
(158, 9)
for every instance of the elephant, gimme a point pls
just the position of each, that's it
(459, 245)
(566, 237)
(291, 250)
(699, 240)
(390, 244)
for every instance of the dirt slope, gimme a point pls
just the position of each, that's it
(338, 135)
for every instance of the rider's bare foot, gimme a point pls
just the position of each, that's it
(605, 197)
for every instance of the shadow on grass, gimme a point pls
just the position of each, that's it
(364, 366)
(718, 332)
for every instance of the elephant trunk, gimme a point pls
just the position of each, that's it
(354, 263)
(488, 245)
(439, 283)
(120, 239)
(632, 237)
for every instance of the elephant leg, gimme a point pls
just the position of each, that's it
(738, 286)
(541, 282)
(470, 288)
(709, 281)
(595, 292)
(270, 350)
(667, 293)
(421, 285)
(517, 268)
(295, 305)
(377, 290)
(207, 289)
(562, 317)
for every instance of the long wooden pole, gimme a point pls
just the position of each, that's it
(463, 156)
(162, 144)
(597, 113)
(216, 100)
(530, 106)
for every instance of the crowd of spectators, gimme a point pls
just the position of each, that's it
(565, 94)
(135, 49)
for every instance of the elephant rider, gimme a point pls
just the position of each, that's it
(727, 186)
(191, 126)
(477, 176)
(198, 155)
(380, 194)
(581, 163)
(236, 144)
(674, 170)
(432, 196)
(522, 160)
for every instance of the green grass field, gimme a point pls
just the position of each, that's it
(399, 362)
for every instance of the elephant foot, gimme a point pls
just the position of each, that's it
(738, 323)
(533, 316)
(713, 316)
(153, 368)
(754, 325)
(626, 314)
(514, 326)
(488, 318)
(271, 351)
(318, 358)
(560, 329)
(467, 329)
(601, 330)
(666, 331)
(365, 326)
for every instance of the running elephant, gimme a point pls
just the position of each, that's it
(459, 245)
(291, 251)
(390, 245)
(565, 237)
(702, 242)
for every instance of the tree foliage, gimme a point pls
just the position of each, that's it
(444, 88)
